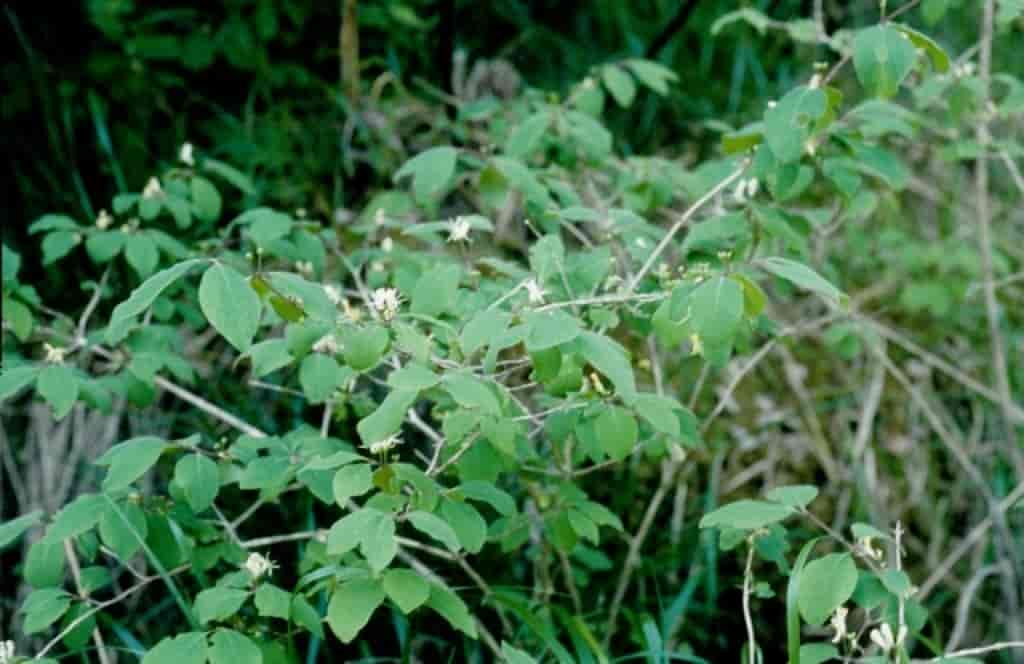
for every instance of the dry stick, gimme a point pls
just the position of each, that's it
(668, 473)
(972, 538)
(102, 605)
(942, 365)
(1005, 645)
(999, 361)
(209, 408)
(865, 425)
(982, 135)
(683, 220)
(956, 448)
(748, 589)
(76, 574)
(963, 607)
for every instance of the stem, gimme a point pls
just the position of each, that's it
(683, 220)
(748, 589)
(984, 138)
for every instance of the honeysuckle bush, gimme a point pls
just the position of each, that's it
(482, 360)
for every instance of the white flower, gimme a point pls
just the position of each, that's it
(153, 189)
(386, 301)
(838, 623)
(382, 446)
(334, 294)
(185, 154)
(695, 343)
(387, 244)
(54, 354)
(535, 292)
(752, 186)
(867, 545)
(104, 220)
(884, 639)
(379, 218)
(739, 192)
(6, 652)
(458, 230)
(305, 267)
(327, 344)
(259, 566)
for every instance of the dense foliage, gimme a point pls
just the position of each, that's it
(678, 332)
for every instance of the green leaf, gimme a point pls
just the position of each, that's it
(269, 356)
(883, 56)
(230, 304)
(102, 247)
(620, 84)
(370, 529)
(654, 75)
(231, 174)
(206, 199)
(793, 496)
(547, 329)
(129, 461)
(351, 607)
(483, 329)
(527, 135)
(413, 377)
(436, 290)
(58, 385)
(16, 379)
(53, 222)
(272, 602)
(716, 309)
(660, 412)
(435, 527)
(199, 479)
(816, 653)
(789, 123)
(486, 492)
(364, 346)
(617, 432)
(219, 603)
(143, 296)
(471, 392)
(610, 359)
(229, 647)
(514, 656)
(43, 608)
(141, 253)
(388, 418)
(825, 585)
(15, 528)
(320, 376)
(453, 609)
(802, 276)
(44, 564)
(189, 648)
(305, 615)
(746, 515)
(59, 244)
(938, 56)
(467, 523)
(123, 529)
(76, 517)
(351, 481)
(431, 171)
(406, 588)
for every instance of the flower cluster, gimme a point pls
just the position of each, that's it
(259, 566)
(387, 302)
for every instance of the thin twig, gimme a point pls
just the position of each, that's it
(683, 220)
